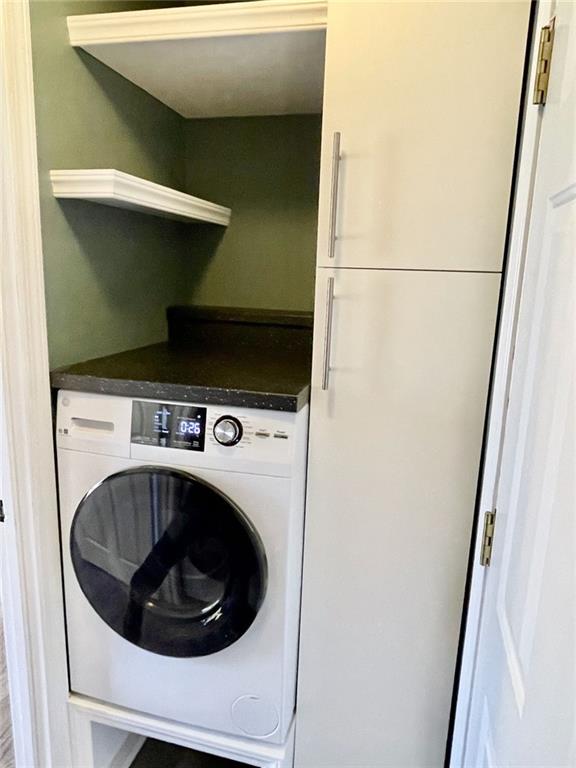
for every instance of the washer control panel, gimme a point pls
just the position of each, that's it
(185, 434)
(192, 427)
(168, 429)
(168, 425)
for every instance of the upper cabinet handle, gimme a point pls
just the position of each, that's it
(334, 194)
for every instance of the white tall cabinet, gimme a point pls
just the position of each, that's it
(420, 114)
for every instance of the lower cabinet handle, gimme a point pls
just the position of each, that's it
(328, 333)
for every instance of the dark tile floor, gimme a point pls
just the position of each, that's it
(159, 754)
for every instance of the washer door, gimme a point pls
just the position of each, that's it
(168, 561)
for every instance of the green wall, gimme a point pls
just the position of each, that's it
(266, 170)
(109, 273)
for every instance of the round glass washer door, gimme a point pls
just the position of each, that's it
(168, 561)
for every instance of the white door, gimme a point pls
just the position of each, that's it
(394, 451)
(524, 690)
(426, 98)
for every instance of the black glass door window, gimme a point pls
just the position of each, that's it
(168, 561)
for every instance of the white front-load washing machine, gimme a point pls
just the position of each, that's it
(182, 532)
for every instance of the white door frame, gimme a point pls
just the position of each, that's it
(31, 581)
(532, 119)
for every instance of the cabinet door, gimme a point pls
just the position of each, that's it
(426, 98)
(395, 444)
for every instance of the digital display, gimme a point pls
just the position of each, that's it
(168, 425)
(190, 427)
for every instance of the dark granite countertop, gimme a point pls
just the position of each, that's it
(214, 356)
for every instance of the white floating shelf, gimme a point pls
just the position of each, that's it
(122, 190)
(225, 60)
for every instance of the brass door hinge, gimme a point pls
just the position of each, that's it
(544, 62)
(487, 538)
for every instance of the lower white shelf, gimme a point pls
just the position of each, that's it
(121, 190)
(85, 711)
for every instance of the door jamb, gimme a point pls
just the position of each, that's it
(31, 583)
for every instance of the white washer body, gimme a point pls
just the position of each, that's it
(248, 688)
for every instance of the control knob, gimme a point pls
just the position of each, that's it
(228, 430)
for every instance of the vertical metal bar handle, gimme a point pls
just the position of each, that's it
(328, 333)
(334, 194)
